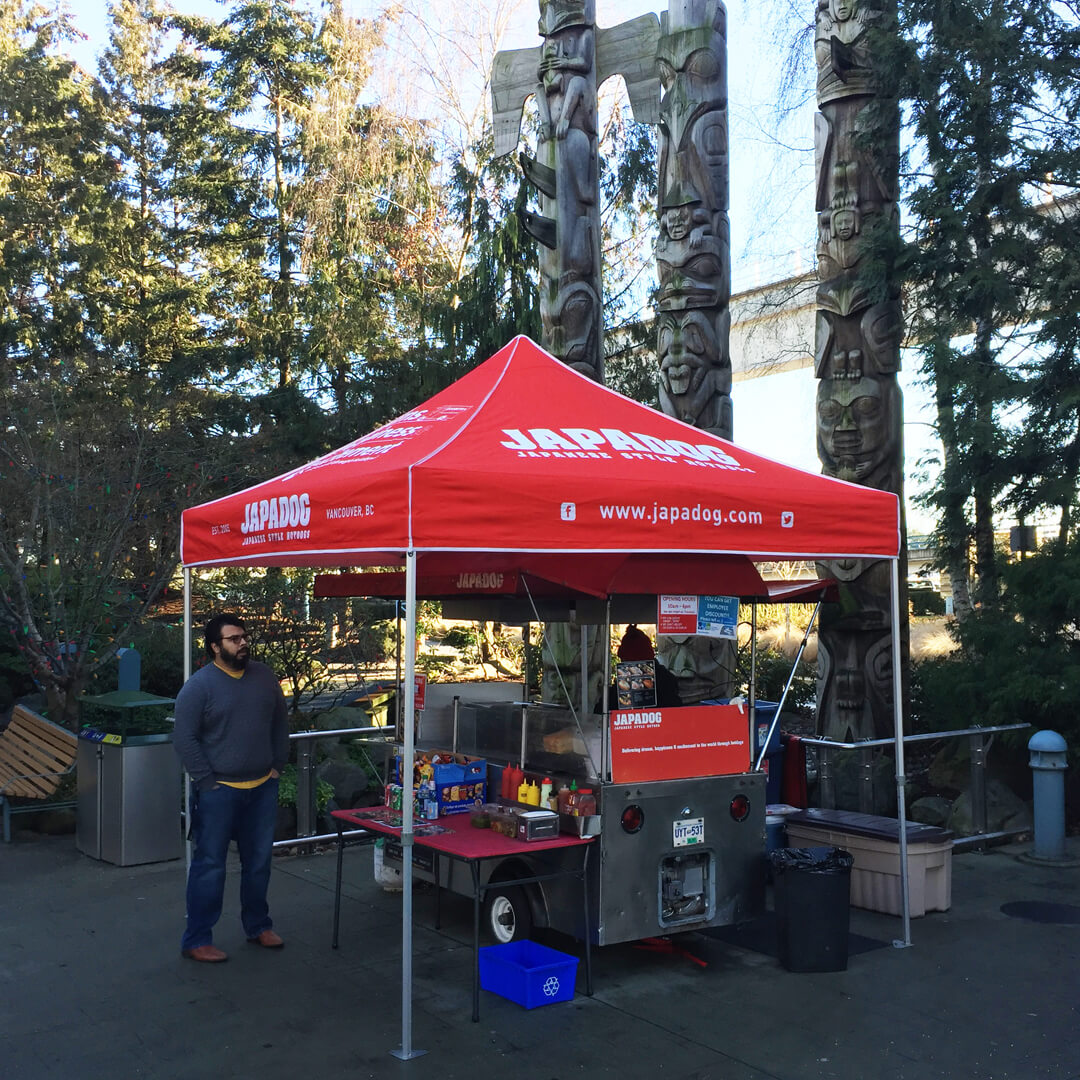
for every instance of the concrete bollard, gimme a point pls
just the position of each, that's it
(1047, 761)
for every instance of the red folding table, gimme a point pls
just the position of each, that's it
(464, 843)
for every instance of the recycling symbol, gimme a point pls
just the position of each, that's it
(551, 986)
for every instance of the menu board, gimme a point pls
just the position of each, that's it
(635, 683)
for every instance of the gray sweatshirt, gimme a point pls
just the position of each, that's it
(231, 729)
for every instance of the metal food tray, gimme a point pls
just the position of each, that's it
(580, 826)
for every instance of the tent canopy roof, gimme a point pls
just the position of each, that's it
(524, 457)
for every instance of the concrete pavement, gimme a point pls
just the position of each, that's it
(92, 986)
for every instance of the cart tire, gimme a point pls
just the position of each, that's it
(507, 915)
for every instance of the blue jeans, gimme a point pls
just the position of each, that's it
(248, 816)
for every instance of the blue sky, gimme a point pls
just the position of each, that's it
(772, 217)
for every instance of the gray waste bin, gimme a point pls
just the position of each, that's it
(129, 799)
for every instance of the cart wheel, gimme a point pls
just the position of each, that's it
(507, 916)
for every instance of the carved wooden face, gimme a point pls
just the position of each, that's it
(856, 427)
(842, 10)
(693, 82)
(556, 15)
(687, 348)
(844, 224)
(677, 222)
(692, 277)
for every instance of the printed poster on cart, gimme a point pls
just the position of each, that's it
(708, 616)
(675, 744)
(635, 684)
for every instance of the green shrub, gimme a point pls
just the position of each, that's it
(324, 791)
(926, 602)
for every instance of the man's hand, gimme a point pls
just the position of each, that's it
(274, 774)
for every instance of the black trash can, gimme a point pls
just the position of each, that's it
(812, 892)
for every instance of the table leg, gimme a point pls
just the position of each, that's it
(588, 933)
(438, 890)
(476, 942)
(337, 884)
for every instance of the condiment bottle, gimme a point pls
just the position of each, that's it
(585, 805)
(523, 791)
(564, 800)
(545, 791)
(516, 777)
(533, 794)
(506, 789)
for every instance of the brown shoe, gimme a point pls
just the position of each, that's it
(267, 939)
(205, 954)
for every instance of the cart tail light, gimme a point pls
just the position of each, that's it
(633, 817)
(740, 807)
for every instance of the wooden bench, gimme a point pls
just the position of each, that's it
(35, 755)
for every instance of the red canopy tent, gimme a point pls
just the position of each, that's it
(525, 467)
(523, 454)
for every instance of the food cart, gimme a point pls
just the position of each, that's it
(524, 463)
(679, 816)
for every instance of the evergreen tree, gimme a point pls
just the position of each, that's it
(94, 456)
(990, 90)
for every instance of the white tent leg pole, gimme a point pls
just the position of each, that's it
(187, 675)
(408, 752)
(605, 700)
(753, 675)
(901, 779)
(585, 710)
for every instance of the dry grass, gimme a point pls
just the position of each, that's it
(930, 639)
(786, 640)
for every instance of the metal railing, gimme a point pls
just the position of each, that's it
(980, 739)
(306, 809)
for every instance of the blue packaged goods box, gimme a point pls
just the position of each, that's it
(528, 973)
(458, 780)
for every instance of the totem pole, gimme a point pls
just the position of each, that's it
(563, 74)
(693, 262)
(857, 357)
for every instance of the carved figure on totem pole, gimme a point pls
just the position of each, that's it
(693, 265)
(857, 356)
(563, 74)
(703, 666)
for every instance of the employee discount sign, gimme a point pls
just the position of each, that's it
(675, 744)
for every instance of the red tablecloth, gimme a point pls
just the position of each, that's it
(461, 839)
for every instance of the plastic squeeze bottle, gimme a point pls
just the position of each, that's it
(516, 776)
(564, 800)
(545, 791)
(533, 794)
(523, 791)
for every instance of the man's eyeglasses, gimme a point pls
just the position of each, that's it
(235, 638)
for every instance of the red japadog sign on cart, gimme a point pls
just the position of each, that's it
(419, 691)
(675, 744)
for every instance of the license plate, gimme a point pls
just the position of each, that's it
(689, 831)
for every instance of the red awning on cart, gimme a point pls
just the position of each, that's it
(523, 454)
